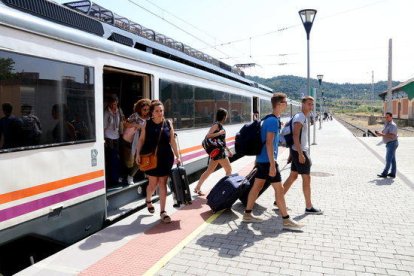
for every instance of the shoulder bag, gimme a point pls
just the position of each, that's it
(149, 161)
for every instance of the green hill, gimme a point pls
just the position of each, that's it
(345, 97)
(295, 87)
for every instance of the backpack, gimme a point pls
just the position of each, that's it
(213, 146)
(249, 139)
(286, 135)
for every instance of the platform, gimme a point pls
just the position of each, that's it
(367, 227)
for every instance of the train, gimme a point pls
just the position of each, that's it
(58, 62)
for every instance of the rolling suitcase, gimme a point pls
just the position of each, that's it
(226, 192)
(245, 193)
(179, 184)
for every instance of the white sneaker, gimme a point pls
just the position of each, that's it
(130, 180)
(290, 224)
(248, 217)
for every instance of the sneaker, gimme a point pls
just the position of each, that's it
(382, 175)
(130, 180)
(248, 217)
(313, 211)
(391, 175)
(290, 224)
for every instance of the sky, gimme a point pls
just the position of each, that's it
(348, 41)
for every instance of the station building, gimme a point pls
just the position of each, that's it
(402, 102)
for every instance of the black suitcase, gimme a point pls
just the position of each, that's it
(226, 192)
(179, 186)
(245, 193)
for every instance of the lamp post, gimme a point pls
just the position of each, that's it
(321, 103)
(307, 16)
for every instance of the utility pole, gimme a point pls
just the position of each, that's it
(389, 92)
(372, 86)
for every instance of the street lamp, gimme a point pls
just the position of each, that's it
(307, 16)
(320, 77)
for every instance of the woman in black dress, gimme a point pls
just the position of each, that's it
(167, 149)
(216, 131)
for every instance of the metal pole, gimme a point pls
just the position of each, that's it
(389, 86)
(314, 118)
(308, 87)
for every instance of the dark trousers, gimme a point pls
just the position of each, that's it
(112, 161)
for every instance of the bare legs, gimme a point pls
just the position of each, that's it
(224, 163)
(306, 181)
(153, 182)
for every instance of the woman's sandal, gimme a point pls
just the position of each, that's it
(150, 209)
(199, 192)
(164, 217)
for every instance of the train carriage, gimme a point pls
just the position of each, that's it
(57, 64)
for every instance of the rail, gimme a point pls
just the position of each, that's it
(356, 130)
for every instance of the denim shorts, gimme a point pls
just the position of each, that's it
(263, 172)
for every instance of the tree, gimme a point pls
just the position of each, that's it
(6, 68)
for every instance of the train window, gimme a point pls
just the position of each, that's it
(265, 107)
(191, 106)
(44, 103)
(240, 109)
(205, 106)
(178, 100)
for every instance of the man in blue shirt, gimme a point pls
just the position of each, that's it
(267, 167)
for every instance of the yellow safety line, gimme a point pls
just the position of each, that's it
(155, 268)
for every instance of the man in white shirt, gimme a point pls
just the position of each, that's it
(301, 162)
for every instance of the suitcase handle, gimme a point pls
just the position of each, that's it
(179, 150)
(251, 174)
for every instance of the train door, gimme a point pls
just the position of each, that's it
(256, 113)
(126, 87)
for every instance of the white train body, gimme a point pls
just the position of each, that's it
(57, 188)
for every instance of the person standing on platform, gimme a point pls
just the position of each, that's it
(267, 167)
(390, 138)
(301, 162)
(158, 132)
(216, 131)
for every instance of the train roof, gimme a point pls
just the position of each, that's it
(94, 19)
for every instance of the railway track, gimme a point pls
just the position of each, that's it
(355, 130)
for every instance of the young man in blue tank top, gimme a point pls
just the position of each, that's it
(267, 167)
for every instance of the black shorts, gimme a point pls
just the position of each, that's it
(263, 172)
(299, 167)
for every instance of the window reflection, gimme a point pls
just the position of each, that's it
(191, 106)
(44, 102)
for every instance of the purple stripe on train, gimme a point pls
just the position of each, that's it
(37, 204)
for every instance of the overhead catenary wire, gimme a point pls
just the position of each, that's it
(176, 26)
